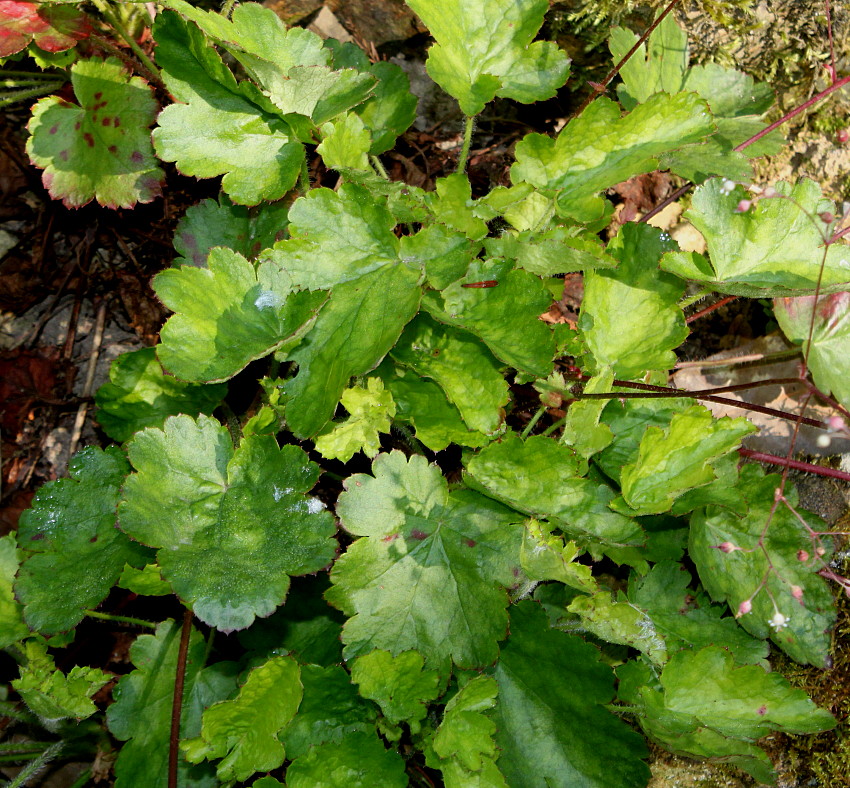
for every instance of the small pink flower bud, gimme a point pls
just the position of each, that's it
(769, 192)
(802, 555)
(842, 136)
(727, 547)
(744, 206)
(820, 552)
(745, 607)
(836, 423)
(826, 217)
(797, 593)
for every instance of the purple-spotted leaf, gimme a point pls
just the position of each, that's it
(232, 524)
(431, 568)
(99, 149)
(52, 27)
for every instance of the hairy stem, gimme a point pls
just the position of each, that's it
(468, 128)
(177, 703)
(43, 89)
(137, 622)
(796, 465)
(115, 24)
(36, 765)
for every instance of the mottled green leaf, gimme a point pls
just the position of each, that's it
(243, 731)
(829, 349)
(141, 713)
(484, 49)
(773, 249)
(445, 254)
(432, 567)
(398, 684)
(540, 477)
(545, 556)
(552, 728)
(392, 108)
(771, 563)
(140, 395)
(99, 149)
(453, 205)
(228, 314)
(210, 223)
(74, 553)
(465, 370)
(506, 317)
(630, 316)
(371, 411)
(357, 761)
(599, 148)
(672, 461)
(330, 710)
(220, 128)
(12, 626)
(232, 524)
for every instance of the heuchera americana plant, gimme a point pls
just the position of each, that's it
(504, 627)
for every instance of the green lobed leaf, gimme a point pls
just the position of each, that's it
(672, 461)
(210, 223)
(551, 726)
(100, 149)
(392, 108)
(630, 316)
(436, 422)
(827, 353)
(231, 524)
(398, 684)
(766, 569)
(484, 49)
(773, 249)
(541, 477)
(140, 395)
(229, 314)
(146, 581)
(432, 567)
(466, 370)
(583, 430)
(506, 316)
(141, 713)
(12, 626)
(74, 553)
(600, 148)
(685, 618)
(371, 412)
(445, 254)
(345, 143)
(451, 203)
(51, 694)
(545, 556)
(243, 731)
(330, 710)
(220, 128)
(357, 761)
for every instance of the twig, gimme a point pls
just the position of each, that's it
(796, 465)
(95, 352)
(177, 702)
(710, 308)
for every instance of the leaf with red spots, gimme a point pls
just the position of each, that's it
(431, 571)
(101, 148)
(54, 28)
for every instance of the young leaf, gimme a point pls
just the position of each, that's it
(371, 412)
(231, 525)
(432, 567)
(399, 685)
(686, 618)
(51, 26)
(446, 254)
(583, 430)
(769, 564)
(506, 317)
(52, 695)
(229, 314)
(74, 553)
(630, 316)
(221, 128)
(484, 49)
(140, 395)
(211, 223)
(461, 366)
(330, 710)
(453, 205)
(12, 626)
(146, 581)
(244, 731)
(358, 761)
(540, 477)
(772, 249)
(141, 713)
(673, 461)
(829, 349)
(551, 727)
(436, 421)
(345, 143)
(99, 149)
(545, 556)
(600, 148)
